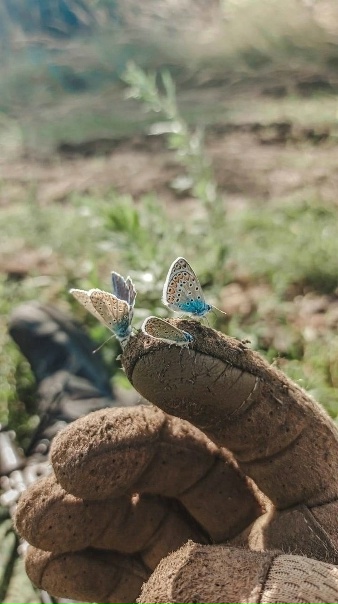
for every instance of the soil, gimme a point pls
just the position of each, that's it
(251, 161)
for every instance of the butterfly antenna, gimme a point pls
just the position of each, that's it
(219, 310)
(101, 345)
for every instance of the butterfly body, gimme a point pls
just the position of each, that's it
(108, 309)
(197, 308)
(164, 331)
(182, 291)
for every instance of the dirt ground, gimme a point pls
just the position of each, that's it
(250, 161)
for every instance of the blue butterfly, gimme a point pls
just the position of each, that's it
(114, 313)
(182, 291)
(162, 330)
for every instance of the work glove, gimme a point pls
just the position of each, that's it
(222, 489)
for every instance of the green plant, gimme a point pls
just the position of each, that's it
(157, 92)
(293, 244)
(144, 231)
(317, 371)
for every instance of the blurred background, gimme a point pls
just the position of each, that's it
(134, 132)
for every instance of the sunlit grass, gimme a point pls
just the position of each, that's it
(293, 244)
(317, 371)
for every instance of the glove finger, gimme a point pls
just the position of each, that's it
(299, 530)
(52, 520)
(244, 404)
(198, 573)
(88, 576)
(116, 452)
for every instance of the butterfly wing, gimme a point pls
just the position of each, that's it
(83, 297)
(124, 289)
(113, 312)
(132, 291)
(182, 291)
(162, 330)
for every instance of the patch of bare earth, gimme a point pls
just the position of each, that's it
(250, 162)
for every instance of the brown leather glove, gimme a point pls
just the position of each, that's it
(132, 485)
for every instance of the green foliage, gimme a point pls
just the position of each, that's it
(293, 244)
(15, 585)
(16, 380)
(188, 145)
(203, 233)
(317, 371)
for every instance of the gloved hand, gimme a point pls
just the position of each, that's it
(249, 461)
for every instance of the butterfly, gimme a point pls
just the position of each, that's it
(114, 313)
(162, 330)
(124, 289)
(182, 291)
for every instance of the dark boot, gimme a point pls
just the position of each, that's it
(71, 380)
